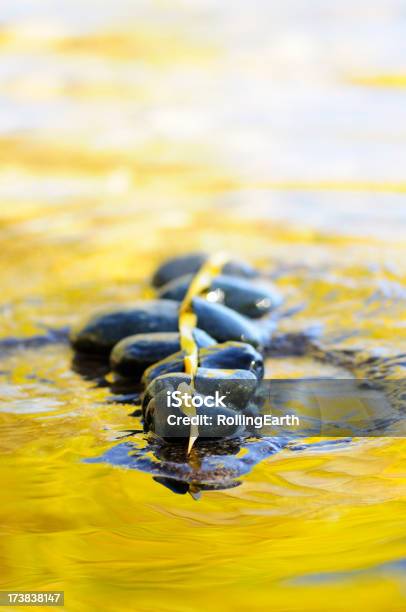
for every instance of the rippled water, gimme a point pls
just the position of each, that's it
(133, 130)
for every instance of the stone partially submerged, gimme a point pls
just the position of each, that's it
(190, 264)
(244, 296)
(228, 355)
(132, 355)
(225, 324)
(235, 387)
(101, 331)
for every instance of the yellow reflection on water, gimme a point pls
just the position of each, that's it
(101, 181)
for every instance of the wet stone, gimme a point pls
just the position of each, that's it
(239, 294)
(225, 324)
(166, 382)
(239, 385)
(133, 354)
(100, 332)
(159, 425)
(228, 355)
(235, 387)
(190, 264)
(233, 355)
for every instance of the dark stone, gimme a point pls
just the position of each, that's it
(133, 354)
(100, 332)
(159, 425)
(172, 268)
(166, 382)
(190, 264)
(228, 355)
(232, 356)
(239, 294)
(237, 385)
(225, 324)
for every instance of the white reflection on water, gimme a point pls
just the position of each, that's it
(276, 105)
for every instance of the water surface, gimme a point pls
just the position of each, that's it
(130, 131)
